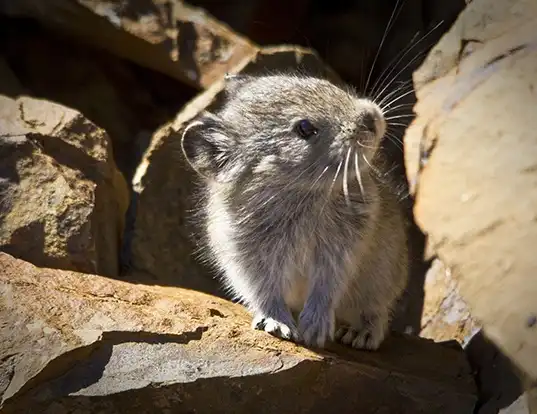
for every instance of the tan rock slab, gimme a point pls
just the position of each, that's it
(471, 158)
(74, 342)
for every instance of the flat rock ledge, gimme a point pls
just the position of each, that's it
(72, 342)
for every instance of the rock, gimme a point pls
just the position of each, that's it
(126, 100)
(471, 160)
(445, 314)
(519, 407)
(531, 397)
(83, 343)
(169, 37)
(238, 15)
(525, 404)
(160, 244)
(62, 199)
(499, 382)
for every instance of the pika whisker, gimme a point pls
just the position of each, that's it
(395, 108)
(319, 177)
(345, 178)
(363, 145)
(402, 89)
(397, 124)
(402, 85)
(408, 49)
(393, 17)
(335, 177)
(399, 116)
(395, 140)
(400, 97)
(358, 175)
(313, 186)
(331, 186)
(371, 166)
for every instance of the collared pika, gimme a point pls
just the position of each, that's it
(303, 227)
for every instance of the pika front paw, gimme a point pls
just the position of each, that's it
(283, 330)
(369, 335)
(316, 326)
(360, 339)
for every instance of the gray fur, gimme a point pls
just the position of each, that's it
(289, 230)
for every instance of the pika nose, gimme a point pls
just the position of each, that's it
(369, 122)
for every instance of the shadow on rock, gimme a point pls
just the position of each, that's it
(84, 367)
(497, 378)
(128, 370)
(160, 243)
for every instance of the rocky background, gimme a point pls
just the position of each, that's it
(104, 305)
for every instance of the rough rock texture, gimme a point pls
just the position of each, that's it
(167, 36)
(471, 158)
(128, 101)
(63, 200)
(160, 242)
(445, 313)
(81, 342)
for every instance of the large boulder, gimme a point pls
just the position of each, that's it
(62, 199)
(170, 37)
(471, 159)
(74, 342)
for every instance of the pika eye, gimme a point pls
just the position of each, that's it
(306, 129)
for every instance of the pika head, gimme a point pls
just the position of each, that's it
(282, 127)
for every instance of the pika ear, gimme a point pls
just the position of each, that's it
(210, 148)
